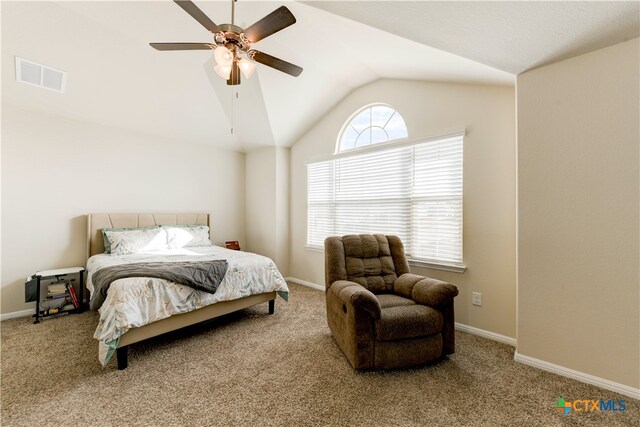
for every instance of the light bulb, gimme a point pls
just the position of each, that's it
(247, 67)
(223, 55)
(223, 71)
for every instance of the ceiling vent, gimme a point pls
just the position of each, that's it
(39, 75)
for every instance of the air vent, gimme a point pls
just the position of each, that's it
(35, 74)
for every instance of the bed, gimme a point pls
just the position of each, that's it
(139, 308)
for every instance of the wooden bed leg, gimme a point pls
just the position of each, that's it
(121, 354)
(272, 306)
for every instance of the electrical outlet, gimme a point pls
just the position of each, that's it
(476, 298)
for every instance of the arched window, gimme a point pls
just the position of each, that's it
(374, 124)
(412, 189)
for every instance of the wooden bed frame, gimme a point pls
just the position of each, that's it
(95, 245)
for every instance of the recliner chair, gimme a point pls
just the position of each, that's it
(380, 314)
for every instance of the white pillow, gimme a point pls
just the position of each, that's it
(136, 241)
(186, 236)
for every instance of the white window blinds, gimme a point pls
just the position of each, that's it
(412, 191)
(436, 223)
(320, 202)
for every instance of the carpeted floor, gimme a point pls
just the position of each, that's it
(250, 368)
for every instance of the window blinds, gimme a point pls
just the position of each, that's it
(436, 205)
(414, 192)
(320, 202)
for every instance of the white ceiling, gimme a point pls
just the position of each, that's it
(116, 79)
(513, 36)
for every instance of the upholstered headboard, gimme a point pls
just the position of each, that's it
(97, 221)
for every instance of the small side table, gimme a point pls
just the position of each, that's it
(58, 273)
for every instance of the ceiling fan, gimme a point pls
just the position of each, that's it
(232, 44)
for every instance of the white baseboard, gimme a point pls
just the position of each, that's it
(15, 314)
(576, 375)
(304, 283)
(486, 334)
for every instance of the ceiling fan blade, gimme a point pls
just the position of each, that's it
(198, 15)
(182, 46)
(273, 62)
(272, 23)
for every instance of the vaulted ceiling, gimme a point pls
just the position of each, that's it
(513, 36)
(116, 79)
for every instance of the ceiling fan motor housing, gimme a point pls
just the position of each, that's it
(232, 34)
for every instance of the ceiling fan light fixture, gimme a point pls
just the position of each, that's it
(223, 56)
(247, 67)
(223, 71)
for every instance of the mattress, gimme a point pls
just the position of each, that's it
(135, 302)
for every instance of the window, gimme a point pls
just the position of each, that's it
(373, 124)
(411, 190)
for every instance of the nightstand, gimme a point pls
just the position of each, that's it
(65, 289)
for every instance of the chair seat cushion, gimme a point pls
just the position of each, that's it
(391, 300)
(408, 321)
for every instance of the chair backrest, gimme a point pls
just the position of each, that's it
(371, 260)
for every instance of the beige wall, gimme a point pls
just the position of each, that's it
(282, 209)
(260, 202)
(55, 171)
(267, 202)
(488, 115)
(578, 198)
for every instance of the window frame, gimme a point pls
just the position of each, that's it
(431, 264)
(347, 123)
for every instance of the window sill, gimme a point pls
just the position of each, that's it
(455, 268)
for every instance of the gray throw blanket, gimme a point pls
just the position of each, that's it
(201, 275)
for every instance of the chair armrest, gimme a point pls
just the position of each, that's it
(433, 293)
(404, 284)
(357, 296)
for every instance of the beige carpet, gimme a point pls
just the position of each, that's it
(254, 369)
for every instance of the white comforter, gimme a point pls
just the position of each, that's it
(135, 302)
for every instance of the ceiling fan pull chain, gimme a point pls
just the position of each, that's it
(233, 116)
(233, 109)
